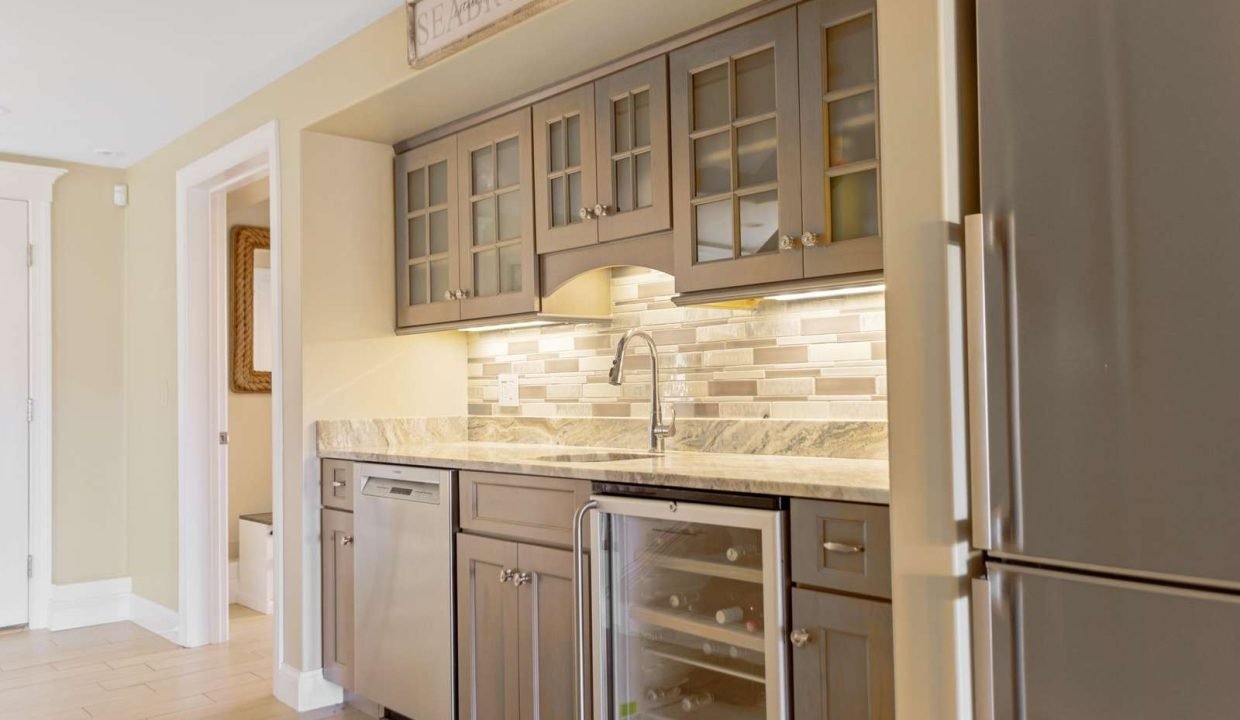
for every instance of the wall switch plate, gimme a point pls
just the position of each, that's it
(509, 393)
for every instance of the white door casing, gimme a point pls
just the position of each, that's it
(14, 429)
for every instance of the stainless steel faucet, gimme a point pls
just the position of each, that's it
(658, 430)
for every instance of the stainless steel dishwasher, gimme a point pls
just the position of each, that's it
(404, 655)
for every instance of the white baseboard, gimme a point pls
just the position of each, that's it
(308, 690)
(234, 581)
(89, 603)
(152, 616)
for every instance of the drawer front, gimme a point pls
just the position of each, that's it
(842, 546)
(337, 484)
(521, 507)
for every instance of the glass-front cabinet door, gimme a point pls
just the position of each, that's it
(427, 267)
(497, 263)
(634, 182)
(690, 616)
(839, 137)
(565, 190)
(735, 138)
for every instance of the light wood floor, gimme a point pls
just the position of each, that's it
(122, 672)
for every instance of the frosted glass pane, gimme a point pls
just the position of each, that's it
(509, 163)
(645, 193)
(439, 183)
(572, 137)
(555, 146)
(622, 125)
(713, 231)
(624, 184)
(760, 223)
(756, 154)
(712, 159)
(510, 216)
(483, 171)
(510, 268)
(850, 129)
(417, 284)
(484, 222)
(850, 54)
(755, 84)
(559, 202)
(417, 237)
(574, 197)
(486, 273)
(854, 206)
(710, 98)
(439, 280)
(641, 119)
(439, 232)
(417, 189)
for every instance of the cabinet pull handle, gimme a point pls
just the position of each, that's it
(338, 483)
(579, 585)
(838, 547)
(585, 213)
(787, 242)
(810, 239)
(522, 578)
(800, 638)
(506, 574)
(601, 210)
(346, 539)
(978, 380)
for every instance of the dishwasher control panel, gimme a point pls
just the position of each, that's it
(407, 490)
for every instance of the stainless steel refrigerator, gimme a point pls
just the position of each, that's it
(1103, 303)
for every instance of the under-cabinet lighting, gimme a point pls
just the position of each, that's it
(833, 292)
(509, 326)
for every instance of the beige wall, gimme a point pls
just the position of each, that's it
(88, 498)
(249, 414)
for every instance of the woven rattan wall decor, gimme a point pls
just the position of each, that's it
(246, 242)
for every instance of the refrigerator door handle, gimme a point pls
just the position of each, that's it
(583, 662)
(979, 401)
(983, 652)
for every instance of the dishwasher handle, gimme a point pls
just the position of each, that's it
(579, 585)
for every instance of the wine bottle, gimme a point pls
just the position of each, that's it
(685, 600)
(663, 695)
(742, 553)
(696, 701)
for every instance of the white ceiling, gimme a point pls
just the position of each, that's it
(77, 76)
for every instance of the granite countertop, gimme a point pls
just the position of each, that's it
(843, 479)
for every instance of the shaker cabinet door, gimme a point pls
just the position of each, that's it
(564, 174)
(547, 634)
(488, 682)
(842, 661)
(634, 164)
(495, 185)
(735, 137)
(427, 240)
(337, 601)
(839, 137)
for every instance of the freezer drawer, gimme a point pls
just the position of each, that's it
(1059, 646)
(1104, 347)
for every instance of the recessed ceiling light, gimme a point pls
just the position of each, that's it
(109, 152)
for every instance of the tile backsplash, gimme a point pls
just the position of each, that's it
(820, 359)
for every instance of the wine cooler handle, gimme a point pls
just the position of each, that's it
(979, 403)
(983, 652)
(579, 585)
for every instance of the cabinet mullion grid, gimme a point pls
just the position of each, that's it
(496, 244)
(634, 151)
(565, 173)
(421, 177)
(832, 95)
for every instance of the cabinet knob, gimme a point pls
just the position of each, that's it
(787, 242)
(506, 574)
(845, 548)
(810, 239)
(800, 638)
(522, 578)
(346, 539)
(601, 210)
(449, 294)
(462, 294)
(585, 213)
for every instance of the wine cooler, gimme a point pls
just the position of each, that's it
(689, 607)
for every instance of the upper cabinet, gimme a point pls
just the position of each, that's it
(427, 242)
(601, 160)
(774, 137)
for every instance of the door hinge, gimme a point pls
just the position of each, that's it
(29, 410)
(29, 566)
(223, 438)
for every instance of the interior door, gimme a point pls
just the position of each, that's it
(1060, 646)
(14, 430)
(547, 634)
(1107, 252)
(427, 239)
(488, 681)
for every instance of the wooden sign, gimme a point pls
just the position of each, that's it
(439, 28)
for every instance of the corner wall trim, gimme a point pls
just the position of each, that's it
(150, 615)
(308, 690)
(89, 603)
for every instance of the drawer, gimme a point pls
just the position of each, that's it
(337, 484)
(842, 546)
(521, 507)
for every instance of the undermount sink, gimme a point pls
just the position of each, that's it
(594, 457)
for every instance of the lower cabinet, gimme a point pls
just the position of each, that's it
(515, 631)
(842, 657)
(338, 597)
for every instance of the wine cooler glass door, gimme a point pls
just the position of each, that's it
(690, 611)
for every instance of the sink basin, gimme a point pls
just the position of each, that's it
(594, 457)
